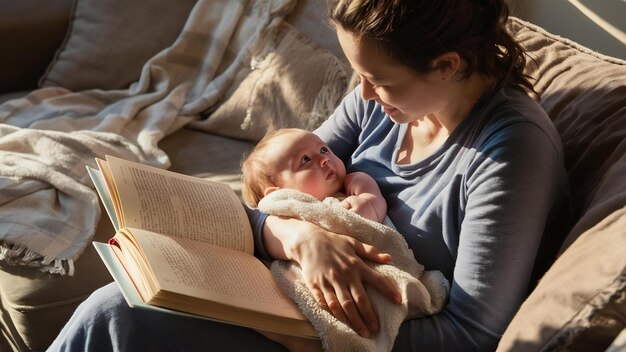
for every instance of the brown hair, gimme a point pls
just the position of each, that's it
(255, 170)
(415, 32)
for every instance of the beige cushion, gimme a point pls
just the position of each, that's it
(585, 95)
(580, 304)
(294, 82)
(108, 42)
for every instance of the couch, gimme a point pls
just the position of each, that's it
(86, 45)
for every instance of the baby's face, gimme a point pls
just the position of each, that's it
(301, 160)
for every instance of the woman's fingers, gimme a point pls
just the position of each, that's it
(364, 306)
(347, 304)
(318, 295)
(368, 252)
(334, 306)
(382, 284)
(335, 271)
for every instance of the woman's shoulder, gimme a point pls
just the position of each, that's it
(512, 112)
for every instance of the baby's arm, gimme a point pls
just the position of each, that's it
(364, 197)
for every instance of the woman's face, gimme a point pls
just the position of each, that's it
(404, 94)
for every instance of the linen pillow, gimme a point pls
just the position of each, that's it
(292, 82)
(584, 93)
(580, 303)
(108, 42)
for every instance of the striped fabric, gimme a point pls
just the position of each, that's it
(48, 207)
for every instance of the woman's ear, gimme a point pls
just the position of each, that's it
(447, 64)
(269, 190)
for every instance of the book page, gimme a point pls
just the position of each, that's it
(214, 273)
(178, 205)
(104, 193)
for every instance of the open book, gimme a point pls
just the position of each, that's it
(184, 245)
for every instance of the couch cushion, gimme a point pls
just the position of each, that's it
(584, 93)
(293, 82)
(39, 304)
(114, 36)
(580, 304)
(205, 155)
(29, 38)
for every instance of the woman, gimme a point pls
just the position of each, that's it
(470, 166)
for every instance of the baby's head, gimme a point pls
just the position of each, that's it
(291, 158)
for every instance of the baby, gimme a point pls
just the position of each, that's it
(297, 159)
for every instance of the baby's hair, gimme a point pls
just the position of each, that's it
(256, 176)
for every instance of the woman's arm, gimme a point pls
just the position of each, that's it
(513, 188)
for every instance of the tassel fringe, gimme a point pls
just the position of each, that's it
(12, 254)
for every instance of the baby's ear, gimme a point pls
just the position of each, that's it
(269, 190)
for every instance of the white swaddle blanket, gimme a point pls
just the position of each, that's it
(423, 292)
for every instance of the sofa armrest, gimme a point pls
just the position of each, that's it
(30, 33)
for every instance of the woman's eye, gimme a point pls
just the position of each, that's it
(324, 150)
(305, 159)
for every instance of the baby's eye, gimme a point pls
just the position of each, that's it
(324, 150)
(306, 159)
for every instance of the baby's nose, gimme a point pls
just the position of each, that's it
(323, 161)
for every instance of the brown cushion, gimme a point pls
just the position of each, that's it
(584, 93)
(108, 42)
(580, 304)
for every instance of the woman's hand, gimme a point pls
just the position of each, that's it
(333, 268)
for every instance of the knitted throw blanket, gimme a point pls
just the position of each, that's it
(423, 292)
(48, 207)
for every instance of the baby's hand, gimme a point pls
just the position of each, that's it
(361, 206)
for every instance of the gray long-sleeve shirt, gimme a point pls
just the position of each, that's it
(476, 209)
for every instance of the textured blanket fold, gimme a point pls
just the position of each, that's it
(48, 208)
(423, 292)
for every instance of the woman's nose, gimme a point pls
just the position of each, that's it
(367, 90)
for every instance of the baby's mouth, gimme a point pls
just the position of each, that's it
(330, 174)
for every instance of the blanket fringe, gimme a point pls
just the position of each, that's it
(14, 254)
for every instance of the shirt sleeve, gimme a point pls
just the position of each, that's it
(257, 221)
(511, 189)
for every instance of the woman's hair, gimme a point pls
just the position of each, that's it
(255, 170)
(414, 32)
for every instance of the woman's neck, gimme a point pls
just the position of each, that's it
(462, 98)
(425, 135)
